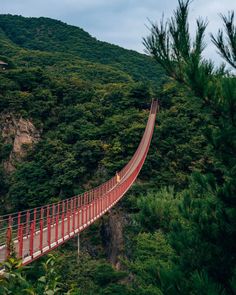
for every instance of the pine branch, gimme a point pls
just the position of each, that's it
(227, 44)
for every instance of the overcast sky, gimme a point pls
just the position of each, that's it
(121, 22)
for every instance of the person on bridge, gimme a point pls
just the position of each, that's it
(117, 177)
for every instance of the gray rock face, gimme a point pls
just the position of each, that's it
(112, 236)
(21, 134)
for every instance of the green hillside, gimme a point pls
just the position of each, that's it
(84, 105)
(87, 99)
(58, 41)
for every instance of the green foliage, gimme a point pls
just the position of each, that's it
(202, 284)
(227, 48)
(84, 275)
(80, 128)
(73, 88)
(16, 279)
(157, 210)
(12, 280)
(44, 41)
(203, 227)
(170, 44)
(49, 283)
(181, 146)
(89, 100)
(151, 261)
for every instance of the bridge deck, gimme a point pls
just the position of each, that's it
(37, 236)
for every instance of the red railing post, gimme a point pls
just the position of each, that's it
(48, 212)
(88, 214)
(49, 231)
(18, 224)
(68, 216)
(27, 223)
(20, 241)
(63, 220)
(41, 234)
(35, 218)
(108, 199)
(53, 213)
(56, 230)
(63, 225)
(110, 196)
(58, 210)
(92, 208)
(90, 211)
(95, 207)
(31, 248)
(85, 215)
(78, 218)
(114, 195)
(82, 217)
(9, 238)
(73, 215)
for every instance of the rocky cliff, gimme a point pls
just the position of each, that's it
(21, 134)
(113, 236)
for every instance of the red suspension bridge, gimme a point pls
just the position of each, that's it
(32, 233)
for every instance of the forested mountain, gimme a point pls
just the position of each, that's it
(55, 42)
(73, 110)
(80, 94)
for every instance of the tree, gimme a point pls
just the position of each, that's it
(227, 44)
(14, 279)
(170, 44)
(208, 206)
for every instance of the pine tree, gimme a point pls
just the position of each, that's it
(227, 45)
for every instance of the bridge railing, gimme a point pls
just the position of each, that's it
(81, 209)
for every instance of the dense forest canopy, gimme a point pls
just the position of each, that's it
(88, 102)
(87, 108)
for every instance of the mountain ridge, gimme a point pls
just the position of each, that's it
(53, 36)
